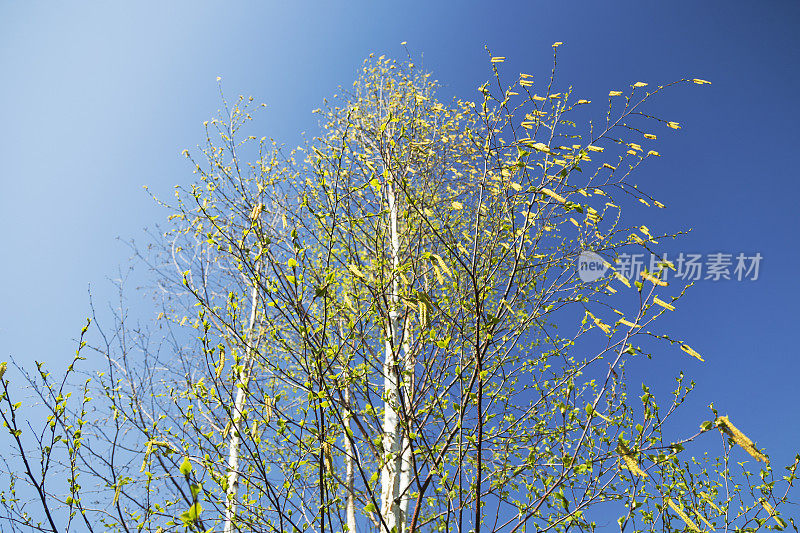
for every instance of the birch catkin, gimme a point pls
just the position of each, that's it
(629, 459)
(680, 512)
(740, 438)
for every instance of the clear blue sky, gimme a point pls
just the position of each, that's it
(100, 98)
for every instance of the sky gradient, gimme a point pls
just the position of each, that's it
(99, 99)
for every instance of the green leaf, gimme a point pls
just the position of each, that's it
(583, 468)
(563, 499)
(186, 467)
(192, 514)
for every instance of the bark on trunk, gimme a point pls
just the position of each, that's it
(350, 470)
(392, 432)
(350, 454)
(236, 420)
(406, 460)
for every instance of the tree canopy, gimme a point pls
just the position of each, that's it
(386, 330)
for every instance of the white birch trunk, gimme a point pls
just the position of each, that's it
(406, 460)
(392, 433)
(350, 469)
(350, 454)
(236, 419)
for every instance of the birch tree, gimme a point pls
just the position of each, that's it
(385, 330)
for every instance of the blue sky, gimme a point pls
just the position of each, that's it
(99, 99)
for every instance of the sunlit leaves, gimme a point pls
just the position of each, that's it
(688, 349)
(415, 259)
